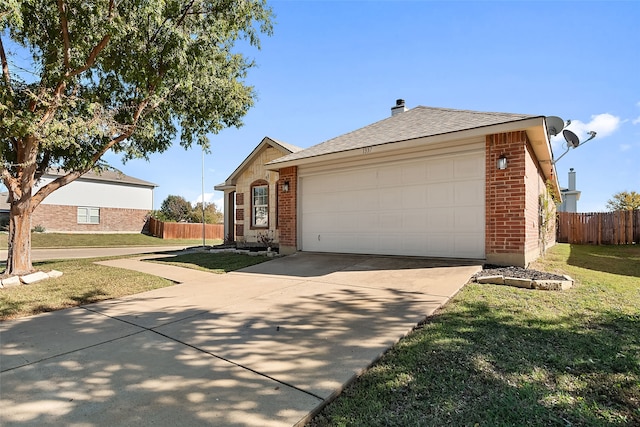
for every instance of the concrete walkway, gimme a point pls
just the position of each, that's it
(45, 254)
(264, 346)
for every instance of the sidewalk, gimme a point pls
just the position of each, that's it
(265, 346)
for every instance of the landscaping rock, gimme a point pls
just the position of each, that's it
(552, 285)
(54, 274)
(496, 280)
(34, 277)
(520, 283)
(11, 281)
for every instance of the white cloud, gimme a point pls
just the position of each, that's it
(603, 124)
(208, 198)
(219, 204)
(636, 121)
(625, 147)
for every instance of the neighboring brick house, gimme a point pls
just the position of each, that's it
(4, 210)
(423, 182)
(251, 203)
(107, 202)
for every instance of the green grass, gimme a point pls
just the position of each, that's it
(220, 263)
(62, 240)
(82, 283)
(503, 356)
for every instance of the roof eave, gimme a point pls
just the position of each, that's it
(527, 123)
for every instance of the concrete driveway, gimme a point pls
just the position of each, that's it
(264, 346)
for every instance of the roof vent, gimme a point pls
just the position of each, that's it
(398, 108)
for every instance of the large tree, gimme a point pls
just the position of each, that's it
(624, 201)
(80, 78)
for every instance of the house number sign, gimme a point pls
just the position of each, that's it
(367, 150)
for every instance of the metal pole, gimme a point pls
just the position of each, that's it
(204, 231)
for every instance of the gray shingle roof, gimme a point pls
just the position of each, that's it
(110, 175)
(415, 123)
(292, 148)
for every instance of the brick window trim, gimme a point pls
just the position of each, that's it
(257, 183)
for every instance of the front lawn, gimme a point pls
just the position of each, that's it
(63, 240)
(84, 282)
(503, 356)
(222, 262)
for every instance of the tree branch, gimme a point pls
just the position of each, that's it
(44, 191)
(5, 67)
(65, 35)
(92, 56)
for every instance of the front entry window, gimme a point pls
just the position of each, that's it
(260, 208)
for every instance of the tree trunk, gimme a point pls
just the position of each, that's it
(19, 259)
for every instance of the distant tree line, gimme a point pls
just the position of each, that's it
(178, 209)
(624, 201)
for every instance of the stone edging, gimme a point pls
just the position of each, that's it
(29, 278)
(546, 285)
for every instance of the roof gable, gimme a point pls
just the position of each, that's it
(415, 123)
(283, 147)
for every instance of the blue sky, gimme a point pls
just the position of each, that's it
(334, 66)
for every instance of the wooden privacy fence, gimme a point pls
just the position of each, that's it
(179, 230)
(603, 228)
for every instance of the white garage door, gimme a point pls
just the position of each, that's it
(428, 207)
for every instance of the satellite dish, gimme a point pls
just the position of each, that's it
(571, 138)
(554, 125)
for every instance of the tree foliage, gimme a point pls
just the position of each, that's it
(178, 209)
(175, 208)
(624, 201)
(129, 76)
(212, 215)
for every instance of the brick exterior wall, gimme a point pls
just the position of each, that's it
(58, 218)
(239, 215)
(287, 210)
(512, 216)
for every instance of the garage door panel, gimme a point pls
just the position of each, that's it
(468, 193)
(468, 167)
(440, 170)
(441, 194)
(423, 207)
(389, 177)
(467, 246)
(441, 220)
(468, 219)
(413, 197)
(440, 245)
(413, 219)
(414, 173)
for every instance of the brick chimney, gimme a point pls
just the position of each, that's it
(398, 108)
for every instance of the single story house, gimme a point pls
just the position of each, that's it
(432, 182)
(251, 197)
(105, 202)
